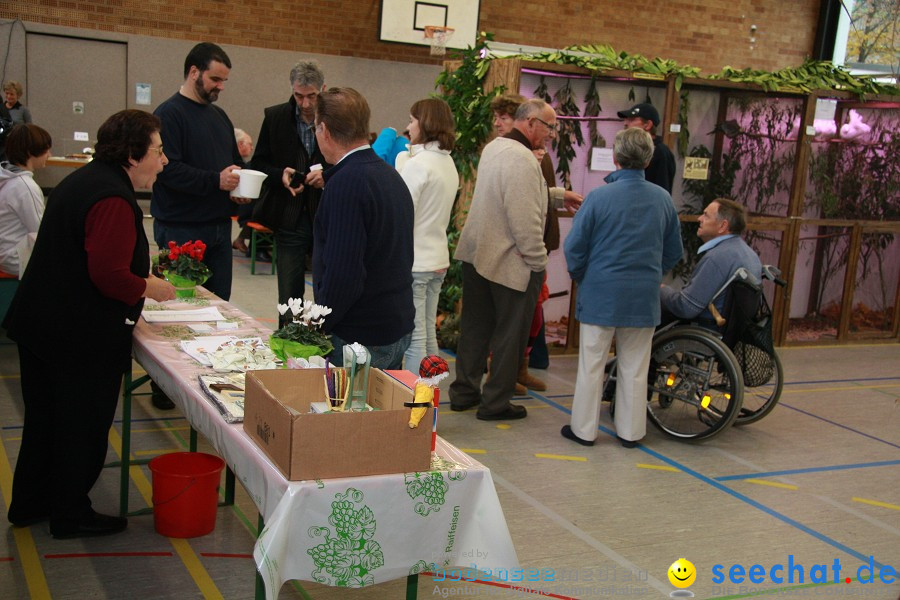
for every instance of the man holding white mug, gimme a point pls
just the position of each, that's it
(192, 196)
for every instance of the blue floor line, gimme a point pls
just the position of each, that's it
(884, 463)
(836, 424)
(709, 481)
(841, 380)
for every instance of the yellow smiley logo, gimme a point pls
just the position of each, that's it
(682, 573)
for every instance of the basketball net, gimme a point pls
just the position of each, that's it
(438, 36)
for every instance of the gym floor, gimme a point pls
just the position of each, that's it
(804, 503)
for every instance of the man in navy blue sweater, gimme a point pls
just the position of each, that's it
(363, 246)
(191, 197)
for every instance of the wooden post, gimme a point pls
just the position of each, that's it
(670, 112)
(849, 282)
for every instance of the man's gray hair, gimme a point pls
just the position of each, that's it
(530, 108)
(240, 134)
(308, 72)
(633, 148)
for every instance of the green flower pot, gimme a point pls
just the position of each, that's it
(285, 349)
(184, 287)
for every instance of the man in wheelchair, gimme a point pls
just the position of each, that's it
(722, 253)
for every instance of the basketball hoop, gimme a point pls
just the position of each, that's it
(438, 36)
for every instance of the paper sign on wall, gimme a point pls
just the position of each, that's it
(142, 94)
(696, 168)
(602, 159)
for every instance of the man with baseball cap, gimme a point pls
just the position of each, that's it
(661, 169)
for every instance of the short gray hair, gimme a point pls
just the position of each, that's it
(530, 108)
(240, 134)
(308, 72)
(633, 148)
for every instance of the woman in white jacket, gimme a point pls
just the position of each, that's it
(431, 176)
(21, 199)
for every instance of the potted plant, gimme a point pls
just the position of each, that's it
(302, 337)
(182, 267)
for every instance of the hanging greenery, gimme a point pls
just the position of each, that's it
(592, 108)
(471, 105)
(569, 134)
(541, 91)
(811, 75)
(684, 134)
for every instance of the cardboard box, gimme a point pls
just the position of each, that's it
(306, 445)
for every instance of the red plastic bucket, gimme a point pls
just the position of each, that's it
(185, 493)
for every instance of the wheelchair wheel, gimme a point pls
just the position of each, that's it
(695, 388)
(760, 400)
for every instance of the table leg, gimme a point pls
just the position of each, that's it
(412, 586)
(229, 487)
(129, 385)
(260, 586)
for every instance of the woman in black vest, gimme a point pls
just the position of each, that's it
(72, 318)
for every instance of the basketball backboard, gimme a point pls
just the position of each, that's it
(405, 21)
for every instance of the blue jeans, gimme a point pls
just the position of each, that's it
(426, 292)
(291, 248)
(216, 236)
(383, 357)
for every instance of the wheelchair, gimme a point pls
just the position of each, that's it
(701, 381)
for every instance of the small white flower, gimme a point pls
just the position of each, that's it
(282, 308)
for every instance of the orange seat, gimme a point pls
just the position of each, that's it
(261, 233)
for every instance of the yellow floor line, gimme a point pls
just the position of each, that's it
(155, 452)
(16, 376)
(774, 484)
(503, 426)
(473, 451)
(188, 557)
(877, 503)
(156, 429)
(561, 457)
(28, 554)
(658, 467)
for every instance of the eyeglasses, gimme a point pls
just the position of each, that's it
(159, 151)
(554, 128)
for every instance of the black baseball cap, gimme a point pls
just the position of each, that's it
(644, 111)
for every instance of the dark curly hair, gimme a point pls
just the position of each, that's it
(125, 135)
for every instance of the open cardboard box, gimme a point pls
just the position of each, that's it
(306, 445)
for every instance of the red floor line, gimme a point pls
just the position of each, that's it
(512, 587)
(221, 555)
(107, 554)
(7, 559)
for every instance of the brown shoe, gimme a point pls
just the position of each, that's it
(520, 389)
(239, 245)
(526, 380)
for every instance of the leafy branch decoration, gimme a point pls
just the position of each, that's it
(592, 108)
(569, 129)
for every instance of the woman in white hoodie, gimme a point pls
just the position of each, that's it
(431, 176)
(21, 199)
